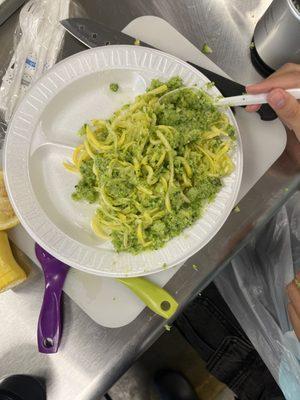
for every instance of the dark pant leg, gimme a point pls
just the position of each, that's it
(211, 328)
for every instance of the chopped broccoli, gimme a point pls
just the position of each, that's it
(206, 49)
(85, 189)
(114, 87)
(82, 130)
(210, 85)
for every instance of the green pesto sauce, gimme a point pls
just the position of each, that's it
(85, 189)
(191, 114)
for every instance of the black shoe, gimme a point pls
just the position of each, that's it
(172, 385)
(21, 387)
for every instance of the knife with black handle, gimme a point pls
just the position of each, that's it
(94, 34)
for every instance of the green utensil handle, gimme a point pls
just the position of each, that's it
(156, 298)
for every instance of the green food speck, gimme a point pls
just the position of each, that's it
(237, 209)
(114, 87)
(252, 45)
(168, 327)
(82, 130)
(206, 49)
(210, 85)
(164, 266)
(195, 267)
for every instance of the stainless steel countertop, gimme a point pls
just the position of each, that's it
(91, 358)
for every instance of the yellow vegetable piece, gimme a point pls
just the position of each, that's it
(76, 154)
(70, 167)
(94, 141)
(98, 229)
(11, 274)
(8, 219)
(88, 149)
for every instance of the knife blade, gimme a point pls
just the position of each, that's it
(94, 34)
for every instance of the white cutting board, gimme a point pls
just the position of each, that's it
(106, 301)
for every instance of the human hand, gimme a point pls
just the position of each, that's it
(293, 292)
(285, 105)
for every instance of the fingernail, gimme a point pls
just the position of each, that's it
(277, 99)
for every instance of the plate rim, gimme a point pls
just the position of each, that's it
(65, 258)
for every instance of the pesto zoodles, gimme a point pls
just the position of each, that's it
(153, 166)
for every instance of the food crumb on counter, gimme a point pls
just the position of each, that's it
(137, 42)
(237, 209)
(168, 327)
(252, 45)
(206, 49)
(114, 87)
(195, 267)
(164, 266)
(286, 189)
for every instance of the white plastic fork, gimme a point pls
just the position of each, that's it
(248, 99)
(243, 100)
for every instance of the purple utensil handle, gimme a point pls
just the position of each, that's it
(49, 324)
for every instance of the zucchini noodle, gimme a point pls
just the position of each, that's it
(153, 166)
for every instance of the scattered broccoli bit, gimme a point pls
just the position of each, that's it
(286, 189)
(195, 267)
(137, 42)
(164, 266)
(252, 45)
(209, 85)
(206, 49)
(168, 327)
(237, 209)
(82, 130)
(114, 87)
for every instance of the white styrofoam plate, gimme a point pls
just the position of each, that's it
(42, 135)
